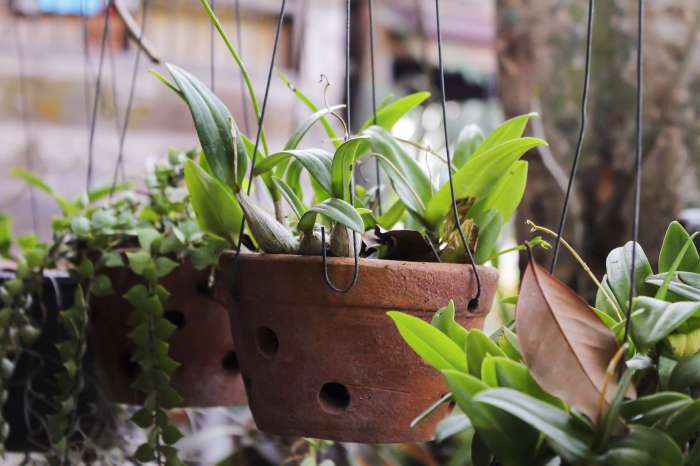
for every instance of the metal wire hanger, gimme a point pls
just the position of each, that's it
(355, 248)
(474, 301)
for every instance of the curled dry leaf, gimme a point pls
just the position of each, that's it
(564, 344)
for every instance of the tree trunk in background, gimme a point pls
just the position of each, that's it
(541, 47)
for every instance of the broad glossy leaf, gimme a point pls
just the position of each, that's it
(452, 425)
(643, 447)
(569, 437)
(343, 166)
(307, 124)
(316, 161)
(296, 204)
(337, 210)
(479, 175)
(684, 424)
(556, 328)
(383, 143)
(506, 195)
(444, 320)
(213, 123)
(658, 319)
(479, 346)
(469, 139)
(507, 131)
(392, 216)
(619, 264)
(674, 241)
(509, 438)
(217, 211)
(436, 348)
(678, 287)
(686, 373)
(649, 409)
(388, 115)
(506, 373)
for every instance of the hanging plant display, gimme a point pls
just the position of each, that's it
(307, 296)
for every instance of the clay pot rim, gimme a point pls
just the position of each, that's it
(349, 261)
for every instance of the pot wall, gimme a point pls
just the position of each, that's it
(330, 365)
(209, 373)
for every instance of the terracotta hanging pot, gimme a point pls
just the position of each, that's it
(208, 375)
(322, 364)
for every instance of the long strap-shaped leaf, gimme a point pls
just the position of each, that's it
(388, 115)
(316, 161)
(335, 209)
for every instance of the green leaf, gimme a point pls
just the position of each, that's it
(335, 209)
(649, 409)
(436, 348)
(510, 439)
(684, 424)
(658, 319)
(469, 139)
(140, 262)
(217, 211)
(297, 205)
(410, 182)
(674, 245)
(569, 438)
(502, 372)
(145, 453)
(168, 83)
(392, 216)
(479, 345)
(5, 234)
(610, 420)
(452, 425)
(81, 227)
(643, 447)
(171, 434)
(490, 223)
(686, 373)
(316, 161)
(307, 124)
(164, 266)
(444, 320)
(391, 113)
(479, 175)
(142, 418)
(675, 265)
(213, 123)
(343, 166)
(112, 259)
(67, 208)
(506, 195)
(102, 286)
(618, 265)
(146, 238)
(507, 131)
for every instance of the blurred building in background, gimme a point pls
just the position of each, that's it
(50, 54)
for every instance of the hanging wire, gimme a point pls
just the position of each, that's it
(26, 119)
(638, 159)
(261, 120)
(86, 63)
(96, 101)
(130, 101)
(377, 168)
(113, 79)
(355, 249)
(581, 133)
(473, 302)
(239, 44)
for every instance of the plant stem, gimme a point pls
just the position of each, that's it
(583, 265)
(241, 67)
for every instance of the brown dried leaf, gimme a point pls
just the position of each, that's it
(564, 344)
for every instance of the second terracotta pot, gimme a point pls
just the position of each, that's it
(208, 375)
(322, 364)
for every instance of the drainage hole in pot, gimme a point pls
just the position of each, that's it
(267, 341)
(230, 362)
(176, 318)
(131, 369)
(334, 397)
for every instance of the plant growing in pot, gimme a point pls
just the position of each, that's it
(311, 323)
(564, 383)
(143, 274)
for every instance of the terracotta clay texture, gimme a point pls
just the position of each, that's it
(330, 365)
(208, 375)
